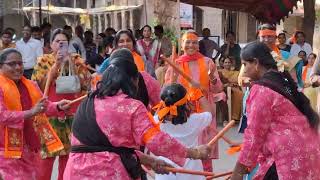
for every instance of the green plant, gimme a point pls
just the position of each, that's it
(171, 34)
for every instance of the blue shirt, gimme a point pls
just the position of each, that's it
(104, 66)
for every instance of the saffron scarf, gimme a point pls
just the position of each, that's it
(138, 61)
(97, 77)
(305, 72)
(278, 52)
(13, 136)
(203, 76)
(162, 109)
(203, 69)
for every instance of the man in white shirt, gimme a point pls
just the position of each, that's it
(301, 45)
(30, 49)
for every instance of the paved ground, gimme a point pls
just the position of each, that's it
(224, 164)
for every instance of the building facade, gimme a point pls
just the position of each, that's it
(125, 14)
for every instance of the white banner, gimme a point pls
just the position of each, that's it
(186, 15)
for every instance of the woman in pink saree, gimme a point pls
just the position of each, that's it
(282, 132)
(111, 125)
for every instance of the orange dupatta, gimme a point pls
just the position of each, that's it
(195, 94)
(94, 81)
(138, 61)
(278, 52)
(203, 70)
(14, 136)
(151, 132)
(305, 72)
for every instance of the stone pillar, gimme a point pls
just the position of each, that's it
(94, 24)
(123, 20)
(106, 22)
(115, 23)
(1, 15)
(99, 24)
(131, 19)
(88, 4)
(241, 34)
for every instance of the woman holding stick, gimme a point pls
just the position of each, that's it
(203, 70)
(48, 68)
(111, 124)
(23, 123)
(282, 133)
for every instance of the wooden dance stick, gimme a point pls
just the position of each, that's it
(227, 140)
(87, 66)
(178, 70)
(222, 132)
(184, 75)
(219, 175)
(174, 54)
(182, 171)
(78, 99)
(187, 171)
(151, 173)
(47, 86)
(173, 57)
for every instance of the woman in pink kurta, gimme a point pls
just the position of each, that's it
(282, 133)
(27, 166)
(153, 88)
(125, 122)
(204, 72)
(11, 71)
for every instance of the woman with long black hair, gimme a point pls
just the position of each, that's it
(282, 133)
(111, 124)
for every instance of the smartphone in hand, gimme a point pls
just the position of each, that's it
(63, 48)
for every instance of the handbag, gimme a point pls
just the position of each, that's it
(68, 84)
